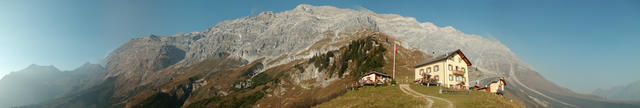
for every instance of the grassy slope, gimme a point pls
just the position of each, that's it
(368, 97)
(474, 99)
(391, 96)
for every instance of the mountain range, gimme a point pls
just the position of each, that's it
(40, 83)
(630, 92)
(296, 58)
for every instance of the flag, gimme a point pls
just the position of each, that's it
(395, 48)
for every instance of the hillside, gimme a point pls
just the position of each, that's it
(383, 96)
(392, 96)
(300, 83)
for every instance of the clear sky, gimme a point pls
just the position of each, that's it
(582, 45)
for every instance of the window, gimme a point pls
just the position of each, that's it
(436, 68)
(465, 71)
(450, 67)
(457, 68)
(450, 77)
(421, 71)
(429, 70)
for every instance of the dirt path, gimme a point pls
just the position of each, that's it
(429, 101)
(407, 90)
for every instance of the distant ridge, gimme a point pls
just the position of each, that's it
(629, 92)
(37, 83)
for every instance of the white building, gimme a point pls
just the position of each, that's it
(450, 70)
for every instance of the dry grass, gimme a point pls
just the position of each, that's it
(224, 73)
(475, 99)
(294, 95)
(392, 97)
(374, 97)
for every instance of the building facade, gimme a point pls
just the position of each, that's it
(449, 70)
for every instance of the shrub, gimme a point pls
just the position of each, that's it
(260, 79)
(299, 67)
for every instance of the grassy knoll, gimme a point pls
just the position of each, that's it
(374, 97)
(393, 97)
(474, 99)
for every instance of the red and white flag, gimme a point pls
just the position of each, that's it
(395, 49)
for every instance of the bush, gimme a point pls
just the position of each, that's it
(299, 67)
(260, 79)
(242, 102)
(161, 100)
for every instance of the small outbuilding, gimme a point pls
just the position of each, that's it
(493, 85)
(374, 78)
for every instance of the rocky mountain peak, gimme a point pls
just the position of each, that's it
(303, 7)
(267, 14)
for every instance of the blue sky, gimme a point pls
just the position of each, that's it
(582, 45)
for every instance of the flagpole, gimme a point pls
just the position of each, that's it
(395, 50)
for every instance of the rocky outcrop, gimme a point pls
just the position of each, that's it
(148, 54)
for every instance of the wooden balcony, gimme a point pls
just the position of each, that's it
(457, 72)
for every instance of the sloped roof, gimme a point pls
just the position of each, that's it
(445, 56)
(377, 73)
(488, 81)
